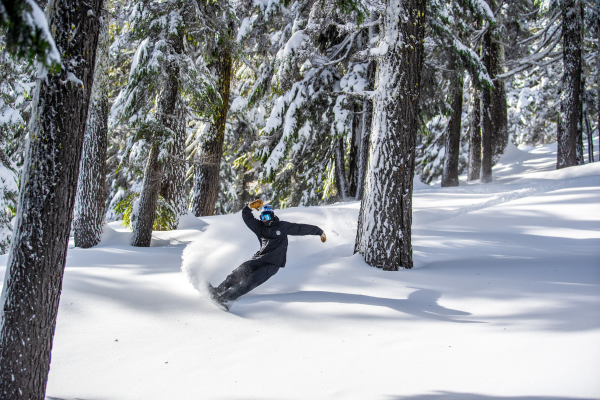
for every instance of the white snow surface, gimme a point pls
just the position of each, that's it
(504, 303)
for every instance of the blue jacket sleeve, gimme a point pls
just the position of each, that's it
(251, 222)
(302, 229)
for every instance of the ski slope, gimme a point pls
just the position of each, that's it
(503, 303)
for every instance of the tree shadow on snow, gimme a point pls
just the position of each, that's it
(60, 398)
(420, 303)
(473, 396)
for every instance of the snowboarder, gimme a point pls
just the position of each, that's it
(272, 234)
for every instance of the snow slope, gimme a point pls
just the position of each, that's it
(504, 303)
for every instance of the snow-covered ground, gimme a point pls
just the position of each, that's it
(504, 303)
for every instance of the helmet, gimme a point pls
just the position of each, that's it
(267, 213)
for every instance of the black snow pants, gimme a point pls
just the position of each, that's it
(245, 278)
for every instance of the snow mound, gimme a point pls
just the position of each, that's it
(578, 171)
(189, 220)
(112, 237)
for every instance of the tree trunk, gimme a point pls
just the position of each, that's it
(499, 112)
(144, 212)
(486, 128)
(494, 133)
(450, 172)
(208, 165)
(365, 136)
(145, 207)
(91, 191)
(340, 177)
(580, 159)
(243, 194)
(475, 138)
(598, 78)
(590, 141)
(354, 151)
(384, 225)
(173, 182)
(363, 155)
(570, 105)
(34, 274)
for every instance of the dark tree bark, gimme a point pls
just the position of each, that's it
(208, 165)
(367, 116)
(173, 182)
(499, 113)
(354, 152)
(340, 176)
(598, 76)
(450, 172)
(91, 191)
(48, 184)
(494, 133)
(567, 133)
(155, 167)
(580, 159)
(486, 117)
(475, 138)
(590, 140)
(384, 225)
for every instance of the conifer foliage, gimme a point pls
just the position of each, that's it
(168, 82)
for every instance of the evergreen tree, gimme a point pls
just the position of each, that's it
(168, 83)
(27, 33)
(384, 225)
(493, 103)
(34, 273)
(569, 125)
(15, 105)
(207, 164)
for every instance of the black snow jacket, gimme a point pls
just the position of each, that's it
(273, 238)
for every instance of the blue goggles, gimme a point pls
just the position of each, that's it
(266, 215)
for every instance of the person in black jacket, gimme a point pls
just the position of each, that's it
(272, 234)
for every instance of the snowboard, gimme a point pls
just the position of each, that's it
(224, 306)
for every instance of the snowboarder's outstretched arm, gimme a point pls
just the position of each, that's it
(302, 229)
(250, 221)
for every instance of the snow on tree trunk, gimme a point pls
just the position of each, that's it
(35, 266)
(173, 183)
(384, 225)
(144, 211)
(475, 138)
(450, 173)
(91, 192)
(208, 164)
(571, 84)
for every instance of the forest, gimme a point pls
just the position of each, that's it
(150, 113)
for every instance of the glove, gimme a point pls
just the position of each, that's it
(323, 237)
(256, 204)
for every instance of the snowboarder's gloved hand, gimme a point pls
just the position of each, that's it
(256, 204)
(323, 237)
